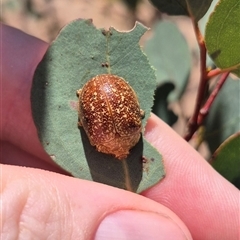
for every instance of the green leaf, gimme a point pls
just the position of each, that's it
(202, 25)
(180, 7)
(168, 52)
(222, 35)
(224, 116)
(203, 22)
(79, 53)
(152, 167)
(160, 107)
(226, 159)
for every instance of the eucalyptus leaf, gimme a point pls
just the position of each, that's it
(181, 7)
(203, 22)
(160, 106)
(79, 53)
(222, 35)
(202, 25)
(226, 159)
(224, 116)
(168, 52)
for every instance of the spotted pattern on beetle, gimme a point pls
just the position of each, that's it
(110, 114)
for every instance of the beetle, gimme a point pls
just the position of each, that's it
(110, 114)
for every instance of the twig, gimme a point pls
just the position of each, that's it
(192, 124)
(218, 71)
(199, 114)
(214, 73)
(205, 109)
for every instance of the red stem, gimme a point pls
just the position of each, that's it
(205, 109)
(193, 125)
(214, 73)
(218, 71)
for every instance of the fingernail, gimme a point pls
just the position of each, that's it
(137, 225)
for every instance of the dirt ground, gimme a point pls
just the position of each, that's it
(44, 18)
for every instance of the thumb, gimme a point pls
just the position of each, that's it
(43, 205)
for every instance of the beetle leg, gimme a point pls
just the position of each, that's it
(78, 92)
(142, 113)
(79, 123)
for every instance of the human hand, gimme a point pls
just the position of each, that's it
(40, 204)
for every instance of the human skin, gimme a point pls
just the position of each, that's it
(41, 200)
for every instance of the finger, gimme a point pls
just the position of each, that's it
(20, 55)
(12, 155)
(54, 206)
(206, 202)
